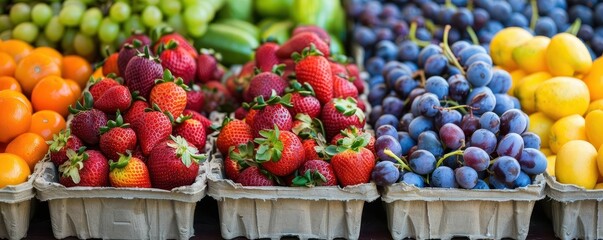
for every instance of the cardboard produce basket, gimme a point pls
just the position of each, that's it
(426, 213)
(17, 207)
(275, 212)
(576, 213)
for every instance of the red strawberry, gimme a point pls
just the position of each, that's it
(84, 168)
(354, 163)
(199, 117)
(219, 72)
(265, 56)
(110, 65)
(315, 173)
(251, 116)
(135, 112)
(306, 127)
(263, 84)
(216, 97)
(314, 69)
(126, 53)
(303, 100)
(174, 163)
(140, 36)
(354, 73)
(315, 29)
(86, 122)
(191, 130)
(117, 138)
(166, 38)
(153, 128)
(343, 88)
(280, 152)
(289, 65)
(361, 104)
(116, 98)
(301, 41)
(253, 176)
(178, 61)
(238, 159)
(138, 154)
(272, 112)
(340, 114)
(338, 68)
(141, 73)
(195, 98)
(129, 171)
(207, 64)
(100, 85)
(59, 145)
(169, 94)
(240, 113)
(310, 149)
(233, 133)
(353, 132)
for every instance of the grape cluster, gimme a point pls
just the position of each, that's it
(443, 119)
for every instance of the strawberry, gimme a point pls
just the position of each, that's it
(310, 149)
(199, 117)
(100, 85)
(191, 130)
(238, 159)
(336, 67)
(264, 83)
(343, 88)
(169, 94)
(303, 100)
(117, 138)
(361, 104)
(154, 127)
(353, 132)
(138, 154)
(135, 112)
(253, 176)
(219, 72)
(169, 36)
(339, 114)
(279, 151)
(301, 41)
(313, 68)
(129, 171)
(354, 74)
(141, 72)
(251, 116)
(233, 133)
(306, 127)
(116, 98)
(84, 168)
(352, 162)
(217, 97)
(271, 112)
(86, 122)
(178, 61)
(195, 98)
(207, 64)
(315, 173)
(174, 163)
(265, 56)
(110, 65)
(240, 113)
(60, 143)
(126, 53)
(140, 36)
(314, 29)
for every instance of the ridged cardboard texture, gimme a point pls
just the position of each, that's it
(274, 212)
(427, 213)
(575, 211)
(16, 207)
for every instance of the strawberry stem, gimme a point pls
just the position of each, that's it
(186, 152)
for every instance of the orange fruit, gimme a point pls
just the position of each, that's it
(7, 64)
(2, 147)
(16, 48)
(56, 56)
(16, 118)
(33, 68)
(10, 83)
(30, 147)
(13, 169)
(46, 123)
(52, 93)
(98, 73)
(75, 89)
(77, 69)
(17, 95)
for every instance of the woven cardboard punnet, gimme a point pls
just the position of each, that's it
(274, 212)
(16, 207)
(426, 213)
(575, 211)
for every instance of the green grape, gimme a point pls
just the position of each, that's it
(92, 19)
(133, 24)
(41, 14)
(189, 3)
(120, 12)
(67, 41)
(42, 41)
(56, 8)
(177, 23)
(197, 30)
(71, 15)
(197, 15)
(121, 37)
(54, 29)
(26, 31)
(84, 45)
(108, 31)
(103, 48)
(150, 2)
(151, 16)
(75, 3)
(5, 23)
(6, 34)
(20, 12)
(170, 7)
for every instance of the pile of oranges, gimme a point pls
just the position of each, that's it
(37, 86)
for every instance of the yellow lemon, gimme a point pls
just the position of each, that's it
(594, 128)
(530, 56)
(550, 165)
(600, 160)
(562, 96)
(541, 125)
(594, 80)
(569, 128)
(526, 89)
(503, 43)
(547, 151)
(516, 79)
(576, 164)
(594, 105)
(566, 55)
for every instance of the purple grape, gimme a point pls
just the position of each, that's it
(411, 178)
(375, 113)
(497, 184)
(468, 52)
(458, 88)
(531, 140)
(429, 141)
(387, 142)
(457, 47)
(393, 105)
(469, 124)
(428, 105)
(476, 158)
(462, 18)
(377, 94)
(513, 121)
(386, 130)
(503, 103)
(446, 115)
(418, 125)
(404, 84)
(453, 161)
(510, 145)
(406, 142)
(386, 49)
(443, 177)
(435, 65)
(481, 185)
(506, 169)
(490, 121)
(480, 18)
(385, 173)
(386, 119)
(501, 81)
(452, 136)
(483, 102)
(532, 161)
(408, 51)
(405, 122)
(422, 162)
(466, 177)
(480, 57)
(437, 85)
(427, 52)
(523, 180)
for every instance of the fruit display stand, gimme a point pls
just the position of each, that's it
(275, 212)
(446, 213)
(575, 212)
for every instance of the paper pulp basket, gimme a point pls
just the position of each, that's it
(16, 207)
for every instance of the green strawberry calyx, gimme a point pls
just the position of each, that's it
(304, 89)
(340, 58)
(307, 52)
(122, 162)
(186, 152)
(270, 146)
(310, 178)
(307, 127)
(117, 123)
(146, 53)
(259, 102)
(71, 168)
(135, 44)
(85, 103)
(59, 140)
(168, 77)
(156, 108)
(244, 154)
(182, 118)
(276, 69)
(349, 107)
(211, 52)
(352, 142)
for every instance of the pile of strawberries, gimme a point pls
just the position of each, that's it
(301, 123)
(140, 125)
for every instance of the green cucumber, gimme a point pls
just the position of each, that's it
(279, 31)
(242, 25)
(235, 45)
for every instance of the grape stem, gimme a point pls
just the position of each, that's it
(449, 4)
(413, 36)
(575, 27)
(403, 165)
(453, 153)
(448, 53)
(472, 35)
(470, 5)
(534, 14)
